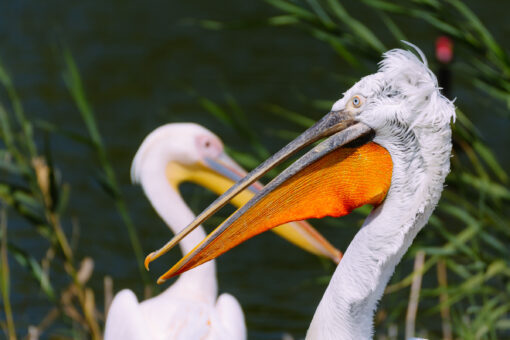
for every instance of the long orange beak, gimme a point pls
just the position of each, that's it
(220, 173)
(332, 179)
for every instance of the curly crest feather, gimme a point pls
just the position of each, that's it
(418, 88)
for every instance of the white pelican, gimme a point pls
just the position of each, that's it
(389, 145)
(190, 308)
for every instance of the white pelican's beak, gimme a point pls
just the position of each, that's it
(220, 173)
(340, 174)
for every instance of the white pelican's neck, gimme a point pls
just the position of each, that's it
(347, 308)
(173, 210)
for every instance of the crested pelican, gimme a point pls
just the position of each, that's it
(388, 144)
(190, 308)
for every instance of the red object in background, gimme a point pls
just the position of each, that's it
(444, 49)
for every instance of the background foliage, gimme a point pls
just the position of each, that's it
(461, 258)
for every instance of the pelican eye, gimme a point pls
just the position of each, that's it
(356, 101)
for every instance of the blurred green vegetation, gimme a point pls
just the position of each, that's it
(466, 286)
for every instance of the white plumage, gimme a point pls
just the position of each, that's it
(411, 119)
(190, 308)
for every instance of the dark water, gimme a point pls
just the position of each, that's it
(139, 61)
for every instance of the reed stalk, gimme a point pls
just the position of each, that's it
(6, 281)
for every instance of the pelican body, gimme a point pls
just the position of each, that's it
(387, 142)
(191, 308)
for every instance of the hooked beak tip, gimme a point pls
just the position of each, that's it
(148, 260)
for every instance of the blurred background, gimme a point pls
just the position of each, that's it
(84, 82)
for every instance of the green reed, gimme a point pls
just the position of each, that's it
(31, 190)
(108, 178)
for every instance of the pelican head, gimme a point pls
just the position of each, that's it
(184, 151)
(404, 91)
(386, 124)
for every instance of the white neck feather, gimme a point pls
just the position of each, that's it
(173, 210)
(347, 308)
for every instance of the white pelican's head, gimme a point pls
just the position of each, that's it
(403, 92)
(181, 150)
(188, 152)
(384, 125)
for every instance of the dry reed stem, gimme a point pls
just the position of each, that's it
(80, 277)
(147, 292)
(108, 294)
(412, 307)
(446, 323)
(35, 331)
(11, 330)
(42, 173)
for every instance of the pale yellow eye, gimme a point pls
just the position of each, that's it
(356, 101)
